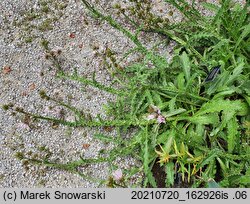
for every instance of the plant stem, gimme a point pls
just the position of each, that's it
(116, 25)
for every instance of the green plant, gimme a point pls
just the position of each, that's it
(192, 130)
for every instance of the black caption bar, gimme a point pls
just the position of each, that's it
(108, 195)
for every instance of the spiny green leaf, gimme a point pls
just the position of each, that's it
(185, 65)
(222, 165)
(168, 145)
(232, 134)
(181, 81)
(203, 119)
(218, 46)
(146, 159)
(103, 137)
(245, 33)
(219, 104)
(227, 91)
(157, 99)
(172, 103)
(174, 112)
(201, 35)
(236, 72)
(209, 157)
(169, 169)
(149, 97)
(136, 102)
(245, 180)
(246, 86)
(219, 83)
(210, 6)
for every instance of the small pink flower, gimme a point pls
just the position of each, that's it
(161, 119)
(117, 174)
(155, 113)
(151, 116)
